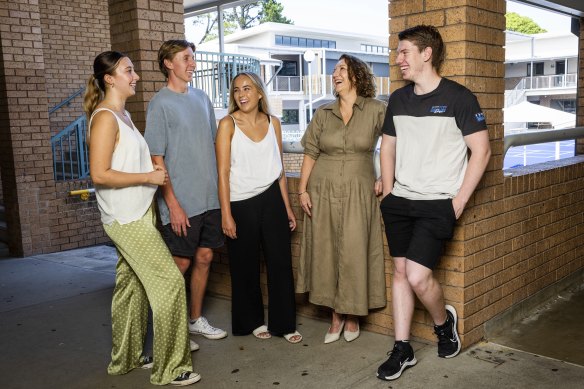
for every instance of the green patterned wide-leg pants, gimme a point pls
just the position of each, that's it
(146, 273)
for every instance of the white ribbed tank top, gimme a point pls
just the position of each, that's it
(131, 155)
(254, 165)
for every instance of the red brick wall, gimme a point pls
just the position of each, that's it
(139, 28)
(73, 33)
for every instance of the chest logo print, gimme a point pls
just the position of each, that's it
(438, 108)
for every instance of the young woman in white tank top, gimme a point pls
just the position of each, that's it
(125, 182)
(256, 212)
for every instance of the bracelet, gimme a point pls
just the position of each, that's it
(301, 193)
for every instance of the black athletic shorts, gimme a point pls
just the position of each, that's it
(417, 229)
(205, 231)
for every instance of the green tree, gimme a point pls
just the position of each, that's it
(241, 18)
(522, 24)
(272, 12)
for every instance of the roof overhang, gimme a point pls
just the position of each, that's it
(573, 8)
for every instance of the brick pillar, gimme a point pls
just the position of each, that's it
(580, 89)
(473, 33)
(138, 28)
(25, 150)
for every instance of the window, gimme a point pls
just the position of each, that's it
(564, 105)
(374, 49)
(289, 68)
(560, 67)
(282, 40)
(290, 116)
(538, 69)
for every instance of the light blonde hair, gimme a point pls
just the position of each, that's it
(263, 105)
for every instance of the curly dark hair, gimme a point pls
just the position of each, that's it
(363, 75)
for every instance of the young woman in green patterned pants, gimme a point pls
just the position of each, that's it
(125, 181)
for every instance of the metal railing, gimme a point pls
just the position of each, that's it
(287, 84)
(549, 82)
(67, 101)
(216, 70)
(536, 137)
(558, 81)
(70, 151)
(321, 84)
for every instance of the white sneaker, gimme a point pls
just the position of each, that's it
(193, 345)
(202, 327)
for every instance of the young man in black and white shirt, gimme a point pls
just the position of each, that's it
(427, 179)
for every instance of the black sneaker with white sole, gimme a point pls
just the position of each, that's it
(186, 378)
(448, 340)
(400, 358)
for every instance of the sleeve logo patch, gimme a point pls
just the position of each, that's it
(480, 117)
(438, 108)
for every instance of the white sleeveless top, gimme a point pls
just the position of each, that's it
(131, 155)
(254, 165)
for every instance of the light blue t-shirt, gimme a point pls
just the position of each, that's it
(182, 128)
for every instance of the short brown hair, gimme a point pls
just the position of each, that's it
(424, 36)
(169, 49)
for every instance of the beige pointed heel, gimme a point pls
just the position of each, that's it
(334, 336)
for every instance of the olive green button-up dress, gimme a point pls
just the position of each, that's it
(341, 258)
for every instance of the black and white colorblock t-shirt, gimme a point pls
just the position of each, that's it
(431, 155)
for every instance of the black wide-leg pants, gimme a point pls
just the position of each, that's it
(261, 223)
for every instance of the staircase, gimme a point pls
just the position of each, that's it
(69, 146)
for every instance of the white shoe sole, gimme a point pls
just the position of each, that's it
(210, 336)
(406, 365)
(452, 310)
(194, 377)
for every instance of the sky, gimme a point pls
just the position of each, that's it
(550, 21)
(370, 16)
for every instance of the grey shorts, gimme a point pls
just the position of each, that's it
(417, 229)
(205, 231)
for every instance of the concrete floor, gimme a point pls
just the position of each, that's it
(55, 333)
(554, 330)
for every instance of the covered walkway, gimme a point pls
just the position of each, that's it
(55, 333)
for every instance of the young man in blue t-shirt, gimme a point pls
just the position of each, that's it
(180, 132)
